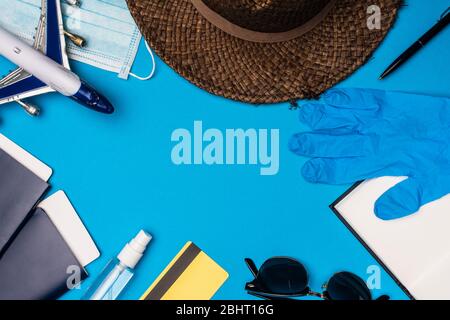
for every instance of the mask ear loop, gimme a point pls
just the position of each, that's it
(152, 72)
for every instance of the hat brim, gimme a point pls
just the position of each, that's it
(262, 72)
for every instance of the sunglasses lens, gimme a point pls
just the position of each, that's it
(347, 286)
(283, 276)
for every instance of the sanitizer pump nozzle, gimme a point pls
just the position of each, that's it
(119, 271)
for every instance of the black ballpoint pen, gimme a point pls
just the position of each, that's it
(419, 44)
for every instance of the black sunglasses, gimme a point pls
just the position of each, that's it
(282, 278)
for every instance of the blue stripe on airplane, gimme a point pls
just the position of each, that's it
(54, 51)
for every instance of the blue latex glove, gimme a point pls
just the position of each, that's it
(361, 134)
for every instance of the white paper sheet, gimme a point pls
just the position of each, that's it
(68, 223)
(416, 249)
(26, 159)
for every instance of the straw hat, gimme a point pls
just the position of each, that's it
(263, 51)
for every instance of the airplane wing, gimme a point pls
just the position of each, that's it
(49, 39)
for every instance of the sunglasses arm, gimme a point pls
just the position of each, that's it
(268, 297)
(251, 266)
(317, 295)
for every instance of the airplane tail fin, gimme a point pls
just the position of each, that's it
(54, 33)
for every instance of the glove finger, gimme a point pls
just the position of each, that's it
(347, 170)
(324, 117)
(353, 98)
(319, 145)
(401, 200)
(408, 196)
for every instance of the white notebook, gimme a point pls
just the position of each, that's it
(415, 250)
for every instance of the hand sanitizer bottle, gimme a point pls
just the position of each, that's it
(119, 271)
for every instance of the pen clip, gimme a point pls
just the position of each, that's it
(445, 13)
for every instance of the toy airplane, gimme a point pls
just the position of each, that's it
(44, 67)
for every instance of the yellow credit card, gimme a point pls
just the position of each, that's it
(191, 275)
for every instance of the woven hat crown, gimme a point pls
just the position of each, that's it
(263, 51)
(268, 15)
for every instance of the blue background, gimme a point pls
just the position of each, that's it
(118, 173)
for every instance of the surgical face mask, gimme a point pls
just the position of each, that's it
(112, 36)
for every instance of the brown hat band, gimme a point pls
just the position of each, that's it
(255, 36)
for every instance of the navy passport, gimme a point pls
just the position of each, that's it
(34, 258)
(20, 190)
(36, 264)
